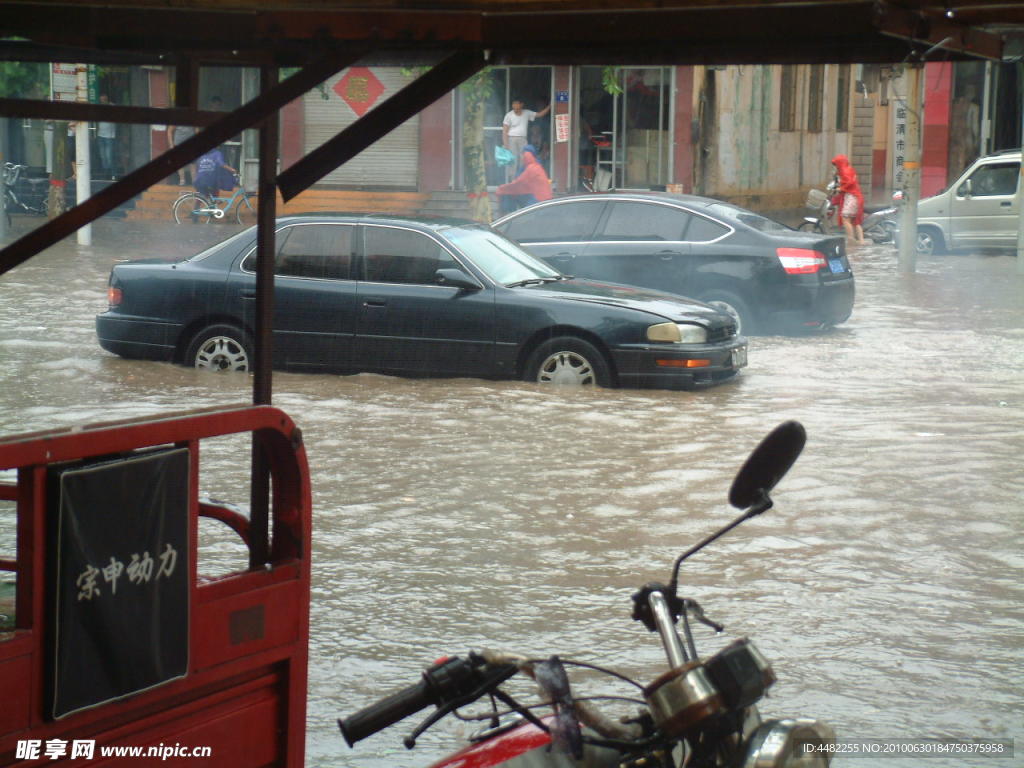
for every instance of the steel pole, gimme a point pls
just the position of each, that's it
(83, 164)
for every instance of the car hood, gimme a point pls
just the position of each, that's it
(667, 305)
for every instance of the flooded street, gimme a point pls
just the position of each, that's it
(885, 586)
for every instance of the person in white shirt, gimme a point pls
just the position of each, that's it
(514, 129)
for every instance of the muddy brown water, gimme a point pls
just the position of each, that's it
(885, 586)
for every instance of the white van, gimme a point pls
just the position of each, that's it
(981, 209)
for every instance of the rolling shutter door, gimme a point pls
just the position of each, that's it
(393, 161)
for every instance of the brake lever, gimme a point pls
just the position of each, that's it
(698, 613)
(490, 679)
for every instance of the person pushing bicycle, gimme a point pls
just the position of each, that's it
(213, 174)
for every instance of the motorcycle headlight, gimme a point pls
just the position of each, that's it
(790, 744)
(678, 333)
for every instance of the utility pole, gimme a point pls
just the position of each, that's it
(1020, 214)
(914, 106)
(83, 166)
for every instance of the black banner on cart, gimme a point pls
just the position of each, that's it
(119, 577)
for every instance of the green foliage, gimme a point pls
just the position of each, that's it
(610, 80)
(24, 80)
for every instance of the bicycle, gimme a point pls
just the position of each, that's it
(194, 207)
(12, 202)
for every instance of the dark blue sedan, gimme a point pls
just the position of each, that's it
(439, 297)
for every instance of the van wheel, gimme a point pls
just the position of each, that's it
(220, 348)
(568, 361)
(929, 242)
(732, 305)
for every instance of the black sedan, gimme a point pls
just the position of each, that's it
(768, 276)
(439, 297)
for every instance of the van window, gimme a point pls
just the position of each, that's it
(992, 180)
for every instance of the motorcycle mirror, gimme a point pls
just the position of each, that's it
(767, 464)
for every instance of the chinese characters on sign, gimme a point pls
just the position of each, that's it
(139, 570)
(899, 142)
(359, 88)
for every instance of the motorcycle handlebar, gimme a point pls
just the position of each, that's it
(385, 712)
(445, 681)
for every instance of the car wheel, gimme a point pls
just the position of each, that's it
(220, 348)
(733, 306)
(928, 242)
(568, 361)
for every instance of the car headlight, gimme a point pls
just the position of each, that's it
(678, 333)
(791, 744)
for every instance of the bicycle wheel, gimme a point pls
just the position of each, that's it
(245, 212)
(187, 209)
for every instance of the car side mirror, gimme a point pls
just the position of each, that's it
(456, 278)
(965, 190)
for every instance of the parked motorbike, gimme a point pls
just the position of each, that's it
(700, 713)
(826, 204)
(881, 225)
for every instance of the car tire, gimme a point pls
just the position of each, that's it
(929, 242)
(568, 361)
(220, 348)
(732, 305)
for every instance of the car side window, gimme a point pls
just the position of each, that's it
(704, 230)
(394, 255)
(644, 221)
(559, 223)
(993, 180)
(321, 251)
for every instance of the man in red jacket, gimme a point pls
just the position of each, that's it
(530, 186)
(851, 210)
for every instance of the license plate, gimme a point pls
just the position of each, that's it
(836, 265)
(739, 357)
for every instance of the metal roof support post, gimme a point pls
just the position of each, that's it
(266, 216)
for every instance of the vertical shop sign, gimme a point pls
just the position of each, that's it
(561, 127)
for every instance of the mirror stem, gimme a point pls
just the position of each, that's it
(763, 504)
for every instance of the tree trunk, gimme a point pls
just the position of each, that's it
(56, 202)
(473, 148)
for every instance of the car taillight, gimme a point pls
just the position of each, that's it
(114, 296)
(800, 261)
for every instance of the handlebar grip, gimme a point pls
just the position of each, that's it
(385, 712)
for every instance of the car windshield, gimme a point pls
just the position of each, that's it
(498, 257)
(752, 220)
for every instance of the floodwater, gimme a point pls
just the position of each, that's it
(885, 586)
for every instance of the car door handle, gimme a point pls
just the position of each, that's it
(565, 255)
(248, 294)
(374, 303)
(668, 255)
(1006, 203)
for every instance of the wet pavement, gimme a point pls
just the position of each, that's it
(885, 586)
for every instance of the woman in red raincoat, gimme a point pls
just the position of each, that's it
(851, 209)
(531, 186)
